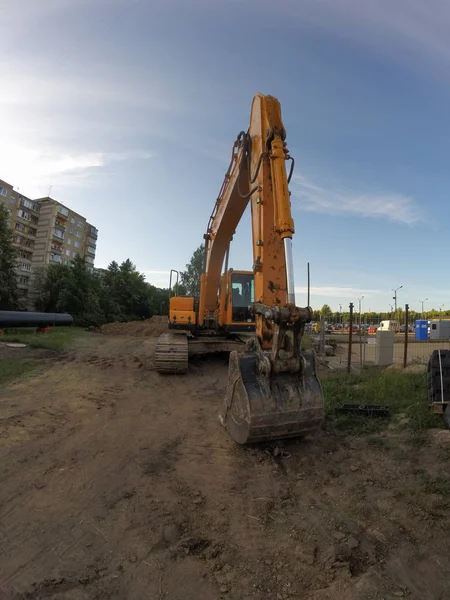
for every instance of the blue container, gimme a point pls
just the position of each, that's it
(422, 330)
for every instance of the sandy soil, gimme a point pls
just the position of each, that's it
(119, 483)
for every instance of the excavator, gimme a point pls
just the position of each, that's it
(273, 391)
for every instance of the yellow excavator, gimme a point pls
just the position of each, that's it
(273, 391)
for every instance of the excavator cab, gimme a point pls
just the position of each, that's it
(240, 293)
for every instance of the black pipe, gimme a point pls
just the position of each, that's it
(13, 318)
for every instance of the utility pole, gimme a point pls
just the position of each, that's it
(394, 298)
(340, 312)
(422, 301)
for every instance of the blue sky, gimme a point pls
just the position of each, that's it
(129, 110)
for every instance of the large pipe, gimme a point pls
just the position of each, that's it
(289, 270)
(13, 318)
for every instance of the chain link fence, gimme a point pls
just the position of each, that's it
(358, 342)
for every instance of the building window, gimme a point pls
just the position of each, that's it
(63, 210)
(69, 241)
(74, 254)
(12, 200)
(70, 229)
(59, 233)
(79, 223)
(78, 233)
(25, 267)
(67, 252)
(77, 244)
(91, 250)
(2, 191)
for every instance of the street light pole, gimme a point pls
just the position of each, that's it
(340, 312)
(360, 340)
(440, 309)
(422, 301)
(395, 297)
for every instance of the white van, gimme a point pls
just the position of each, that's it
(389, 326)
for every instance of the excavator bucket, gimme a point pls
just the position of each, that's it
(259, 408)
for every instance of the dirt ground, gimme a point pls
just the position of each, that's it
(119, 483)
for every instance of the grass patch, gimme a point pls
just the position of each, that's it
(377, 442)
(59, 338)
(437, 485)
(10, 368)
(402, 392)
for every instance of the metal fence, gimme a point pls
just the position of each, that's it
(360, 344)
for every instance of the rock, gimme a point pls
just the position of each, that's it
(339, 536)
(441, 437)
(268, 562)
(352, 543)
(170, 533)
(305, 553)
(132, 558)
(380, 537)
(223, 589)
(353, 468)
(198, 500)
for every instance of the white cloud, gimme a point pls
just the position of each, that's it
(33, 170)
(382, 205)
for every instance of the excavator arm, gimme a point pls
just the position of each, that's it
(257, 174)
(273, 390)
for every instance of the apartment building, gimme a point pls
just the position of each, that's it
(23, 220)
(46, 232)
(62, 235)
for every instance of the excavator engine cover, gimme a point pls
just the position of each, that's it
(258, 407)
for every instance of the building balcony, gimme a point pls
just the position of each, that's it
(56, 248)
(58, 237)
(26, 234)
(30, 205)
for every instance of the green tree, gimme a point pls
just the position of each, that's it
(49, 283)
(190, 278)
(8, 257)
(325, 311)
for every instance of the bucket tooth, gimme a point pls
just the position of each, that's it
(283, 405)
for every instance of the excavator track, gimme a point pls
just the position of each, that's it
(171, 353)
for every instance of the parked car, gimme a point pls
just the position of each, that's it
(373, 328)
